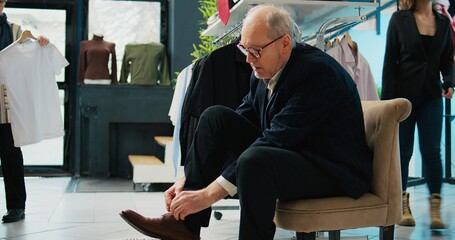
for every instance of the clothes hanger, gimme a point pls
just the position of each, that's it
(332, 43)
(25, 35)
(351, 44)
(328, 44)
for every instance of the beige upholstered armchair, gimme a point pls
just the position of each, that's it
(379, 208)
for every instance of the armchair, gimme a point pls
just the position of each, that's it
(381, 207)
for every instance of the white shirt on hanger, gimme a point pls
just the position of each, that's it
(358, 67)
(175, 114)
(28, 71)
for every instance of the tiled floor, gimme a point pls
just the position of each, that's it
(52, 213)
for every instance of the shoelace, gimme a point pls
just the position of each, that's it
(435, 210)
(406, 208)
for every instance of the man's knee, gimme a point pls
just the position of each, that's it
(252, 161)
(215, 111)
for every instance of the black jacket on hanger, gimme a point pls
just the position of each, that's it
(220, 78)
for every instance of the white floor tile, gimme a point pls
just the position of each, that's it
(53, 213)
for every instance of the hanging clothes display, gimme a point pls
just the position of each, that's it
(175, 111)
(357, 66)
(29, 73)
(442, 6)
(220, 78)
(94, 61)
(146, 64)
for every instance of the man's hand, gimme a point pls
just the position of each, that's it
(42, 40)
(188, 202)
(173, 191)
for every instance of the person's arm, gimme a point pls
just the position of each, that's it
(447, 63)
(230, 188)
(173, 191)
(188, 202)
(390, 60)
(246, 109)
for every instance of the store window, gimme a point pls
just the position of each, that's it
(48, 22)
(123, 22)
(52, 24)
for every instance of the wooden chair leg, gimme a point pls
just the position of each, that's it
(335, 235)
(387, 232)
(306, 236)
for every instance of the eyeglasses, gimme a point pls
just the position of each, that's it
(255, 52)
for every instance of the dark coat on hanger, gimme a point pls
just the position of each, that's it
(408, 67)
(220, 78)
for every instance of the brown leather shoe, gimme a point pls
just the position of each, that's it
(165, 227)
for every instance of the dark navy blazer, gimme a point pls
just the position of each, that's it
(315, 110)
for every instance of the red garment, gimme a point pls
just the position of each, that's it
(223, 11)
(443, 10)
(94, 60)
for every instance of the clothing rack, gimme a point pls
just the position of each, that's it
(233, 32)
(342, 23)
(320, 35)
(335, 31)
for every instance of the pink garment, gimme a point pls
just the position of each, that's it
(442, 7)
(357, 67)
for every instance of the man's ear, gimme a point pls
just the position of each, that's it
(287, 41)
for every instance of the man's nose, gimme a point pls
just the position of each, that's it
(250, 58)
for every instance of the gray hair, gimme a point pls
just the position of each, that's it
(278, 22)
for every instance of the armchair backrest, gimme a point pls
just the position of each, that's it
(382, 120)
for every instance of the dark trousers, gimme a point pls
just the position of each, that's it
(12, 168)
(263, 174)
(427, 114)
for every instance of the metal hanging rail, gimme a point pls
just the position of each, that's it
(320, 35)
(233, 31)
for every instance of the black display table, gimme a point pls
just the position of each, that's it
(114, 121)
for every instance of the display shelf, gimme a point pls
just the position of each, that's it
(308, 14)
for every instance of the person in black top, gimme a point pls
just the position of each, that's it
(418, 51)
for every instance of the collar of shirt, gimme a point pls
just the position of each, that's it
(272, 82)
